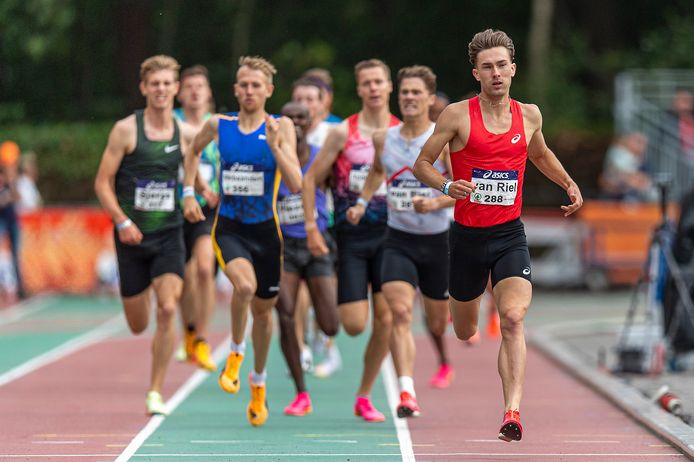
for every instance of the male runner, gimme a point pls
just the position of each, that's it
(255, 148)
(349, 152)
(136, 185)
(317, 271)
(414, 211)
(198, 299)
(490, 137)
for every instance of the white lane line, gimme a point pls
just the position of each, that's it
(592, 441)
(193, 382)
(23, 309)
(335, 441)
(91, 337)
(505, 455)
(391, 385)
(57, 442)
(226, 441)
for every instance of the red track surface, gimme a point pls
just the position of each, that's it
(95, 396)
(559, 414)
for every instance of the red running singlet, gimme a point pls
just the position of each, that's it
(496, 164)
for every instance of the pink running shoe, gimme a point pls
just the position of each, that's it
(364, 409)
(408, 406)
(511, 429)
(443, 377)
(300, 406)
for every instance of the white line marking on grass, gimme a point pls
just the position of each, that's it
(91, 337)
(335, 441)
(391, 385)
(193, 382)
(23, 309)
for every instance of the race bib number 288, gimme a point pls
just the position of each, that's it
(494, 187)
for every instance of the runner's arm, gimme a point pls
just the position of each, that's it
(315, 176)
(105, 181)
(446, 129)
(546, 161)
(285, 152)
(191, 162)
(373, 180)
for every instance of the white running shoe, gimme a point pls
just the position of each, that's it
(331, 364)
(306, 359)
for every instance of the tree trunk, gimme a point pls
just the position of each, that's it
(242, 30)
(539, 36)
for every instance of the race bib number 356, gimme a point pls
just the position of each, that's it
(155, 196)
(243, 180)
(494, 187)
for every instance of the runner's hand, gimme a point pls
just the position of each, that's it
(461, 189)
(210, 197)
(192, 210)
(424, 204)
(316, 243)
(130, 235)
(272, 132)
(576, 200)
(354, 214)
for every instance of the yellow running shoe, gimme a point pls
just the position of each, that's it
(257, 409)
(155, 404)
(229, 378)
(203, 357)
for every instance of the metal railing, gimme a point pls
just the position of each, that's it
(642, 102)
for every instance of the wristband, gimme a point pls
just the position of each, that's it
(445, 186)
(188, 191)
(121, 226)
(363, 202)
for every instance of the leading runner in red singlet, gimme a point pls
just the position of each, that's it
(490, 137)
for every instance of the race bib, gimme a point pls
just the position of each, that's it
(155, 196)
(401, 192)
(494, 187)
(243, 180)
(357, 178)
(290, 210)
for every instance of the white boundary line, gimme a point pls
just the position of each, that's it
(390, 382)
(95, 335)
(23, 308)
(193, 382)
(505, 455)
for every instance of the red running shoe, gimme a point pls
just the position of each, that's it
(408, 406)
(443, 377)
(300, 406)
(364, 409)
(511, 429)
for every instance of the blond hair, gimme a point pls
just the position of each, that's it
(158, 63)
(420, 72)
(368, 64)
(258, 63)
(489, 39)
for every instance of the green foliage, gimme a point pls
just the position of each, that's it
(68, 156)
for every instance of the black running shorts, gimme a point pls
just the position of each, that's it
(159, 253)
(192, 231)
(298, 259)
(421, 260)
(475, 252)
(259, 243)
(359, 260)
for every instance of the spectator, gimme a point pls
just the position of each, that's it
(624, 175)
(29, 196)
(8, 220)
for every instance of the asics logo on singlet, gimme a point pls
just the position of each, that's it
(262, 137)
(241, 167)
(526, 271)
(495, 175)
(515, 139)
(169, 149)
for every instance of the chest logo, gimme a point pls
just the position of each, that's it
(516, 138)
(169, 149)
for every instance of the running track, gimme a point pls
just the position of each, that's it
(72, 384)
